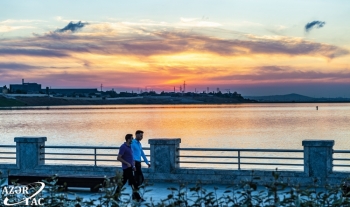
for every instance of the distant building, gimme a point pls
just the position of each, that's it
(70, 91)
(25, 87)
(4, 90)
(35, 88)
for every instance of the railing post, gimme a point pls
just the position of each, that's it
(30, 152)
(164, 154)
(318, 157)
(95, 157)
(239, 159)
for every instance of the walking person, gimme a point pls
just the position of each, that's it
(138, 153)
(125, 156)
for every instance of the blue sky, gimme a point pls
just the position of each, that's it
(255, 47)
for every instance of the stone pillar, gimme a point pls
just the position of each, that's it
(30, 152)
(164, 154)
(318, 157)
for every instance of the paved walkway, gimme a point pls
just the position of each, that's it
(160, 191)
(157, 193)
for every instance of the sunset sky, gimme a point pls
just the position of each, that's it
(254, 47)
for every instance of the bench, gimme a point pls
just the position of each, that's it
(83, 181)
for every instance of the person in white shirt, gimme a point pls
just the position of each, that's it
(138, 153)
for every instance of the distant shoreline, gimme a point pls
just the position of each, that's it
(24, 102)
(53, 101)
(115, 105)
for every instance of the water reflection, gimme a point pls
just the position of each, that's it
(235, 126)
(281, 126)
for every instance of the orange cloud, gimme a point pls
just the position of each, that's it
(161, 58)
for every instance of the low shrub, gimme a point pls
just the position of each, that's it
(243, 194)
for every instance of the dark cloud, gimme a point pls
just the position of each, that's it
(16, 66)
(32, 52)
(314, 24)
(145, 48)
(163, 43)
(13, 67)
(73, 27)
(172, 42)
(272, 68)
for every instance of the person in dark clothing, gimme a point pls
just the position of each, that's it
(125, 156)
(138, 153)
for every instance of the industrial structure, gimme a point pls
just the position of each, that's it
(25, 87)
(35, 88)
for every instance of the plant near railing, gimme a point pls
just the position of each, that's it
(246, 193)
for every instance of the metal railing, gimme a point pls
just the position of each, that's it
(231, 156)
(7, 152)
(340, 158)
(89, 153)
(240, 159)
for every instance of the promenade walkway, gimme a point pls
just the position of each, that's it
(160, 191)
(157, 193)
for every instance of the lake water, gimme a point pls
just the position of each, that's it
(278, 126)
(233, 126)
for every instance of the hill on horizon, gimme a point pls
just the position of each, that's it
(278, 98)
